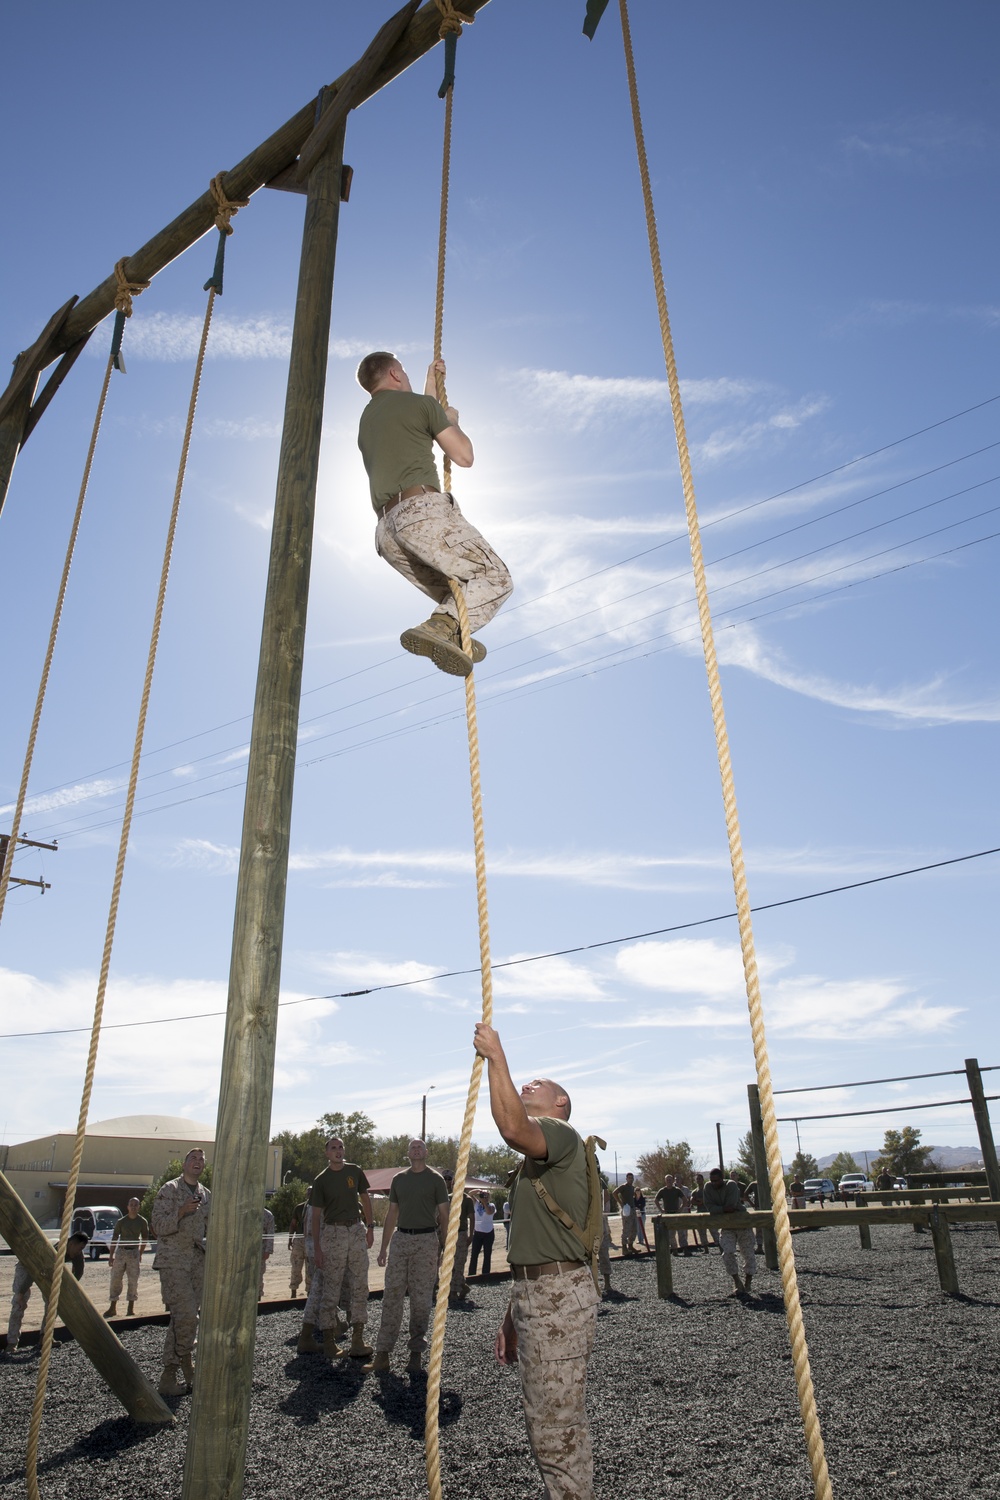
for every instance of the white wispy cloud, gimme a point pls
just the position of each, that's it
(899, 313)
(916, 141)
(927, 703)
(67, 796)
(169, 337)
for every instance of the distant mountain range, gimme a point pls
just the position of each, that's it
(948, 1156)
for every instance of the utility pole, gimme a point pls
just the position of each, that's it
(43, 885)
(718, 1137)
(423, 1114)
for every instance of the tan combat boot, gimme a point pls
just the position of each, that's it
(331, 1348)
(307, 1339)
(607, 1286)
(168, 1381)
(112, 1311)
(746, 1283)
(437, 638)
(187, 1370)
(414, 1365)
(379, 1365)
(131, 1310)
(359, 1349)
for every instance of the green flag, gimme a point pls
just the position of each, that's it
(595, 10)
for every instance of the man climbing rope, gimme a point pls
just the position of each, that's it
(421, 532)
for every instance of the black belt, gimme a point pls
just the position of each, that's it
(431, 1229)
(547, 1268)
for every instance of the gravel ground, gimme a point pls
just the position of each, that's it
(693, 1399)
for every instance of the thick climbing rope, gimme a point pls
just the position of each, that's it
(451, 26)
(432, 1450)
(22, 791)
(52, 1306)
(786, 1257)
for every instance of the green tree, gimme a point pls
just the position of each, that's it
(746, 1163)
(842, 1162)
(303, 1155)
(804, 1165)
(356, 1131)
(284, 1200)
(668, 1157)
(174, 1169)
(902, 1154)
(492, 1163)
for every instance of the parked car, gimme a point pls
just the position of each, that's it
(855, 1182)
(99, 1223)
(819, 1188)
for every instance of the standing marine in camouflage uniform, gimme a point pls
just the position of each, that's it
(459, 1288)
(266, 1244)
(342, 1236)
(421, 532)
(129, 1239)
(413, 1236)
(21, 1290)
(180, 1223)
(550, 1325)
(297, 1251)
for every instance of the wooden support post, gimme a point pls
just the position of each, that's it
(982, 1113)
(761, 1173)
(220, 1413)
(101, 1346)
(865, 1231)
(944, 1252)
(664, 1268)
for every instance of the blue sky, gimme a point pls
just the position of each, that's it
(825, 188)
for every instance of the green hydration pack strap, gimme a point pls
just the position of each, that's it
(591, 1233)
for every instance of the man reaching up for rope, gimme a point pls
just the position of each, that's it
(421, 532)
(550, 1325)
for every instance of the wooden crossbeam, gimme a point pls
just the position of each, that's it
(92, 1333)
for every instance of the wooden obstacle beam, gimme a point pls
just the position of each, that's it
(96, 1339)
(937, 1217)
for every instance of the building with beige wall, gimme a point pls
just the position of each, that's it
(120, 1159)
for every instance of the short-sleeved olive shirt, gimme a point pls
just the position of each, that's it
(336, 1193)
(130, 1231)
(396, 437)
(536, 1235)
(417, 1195)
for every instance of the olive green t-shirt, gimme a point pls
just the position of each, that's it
(417, 1195)
(336, 1193)
(535, 1234)
(130, 1231)
(396, 437)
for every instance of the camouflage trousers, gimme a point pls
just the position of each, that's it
(412, 1268)
(345, 1251)
(126, 1266)
(18, 1304)
(458, 1266)
(298, 1263)
(603, 1258)
(628, 1229)
(742, 1239)
(181, 1285)
(556, 1319)
(428, 540)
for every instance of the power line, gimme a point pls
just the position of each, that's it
(610, 567)
(535, 958)
(639, 651)
(864, 1083)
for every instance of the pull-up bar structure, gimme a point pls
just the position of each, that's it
(402, 41)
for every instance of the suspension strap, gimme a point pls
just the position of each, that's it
(225, 208)
(786, 1257)
(126, 290)
(431, 1444)
(52, 1306)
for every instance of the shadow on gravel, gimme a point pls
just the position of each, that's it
(108, 1440)
(323, 1388)
(403, 1403)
